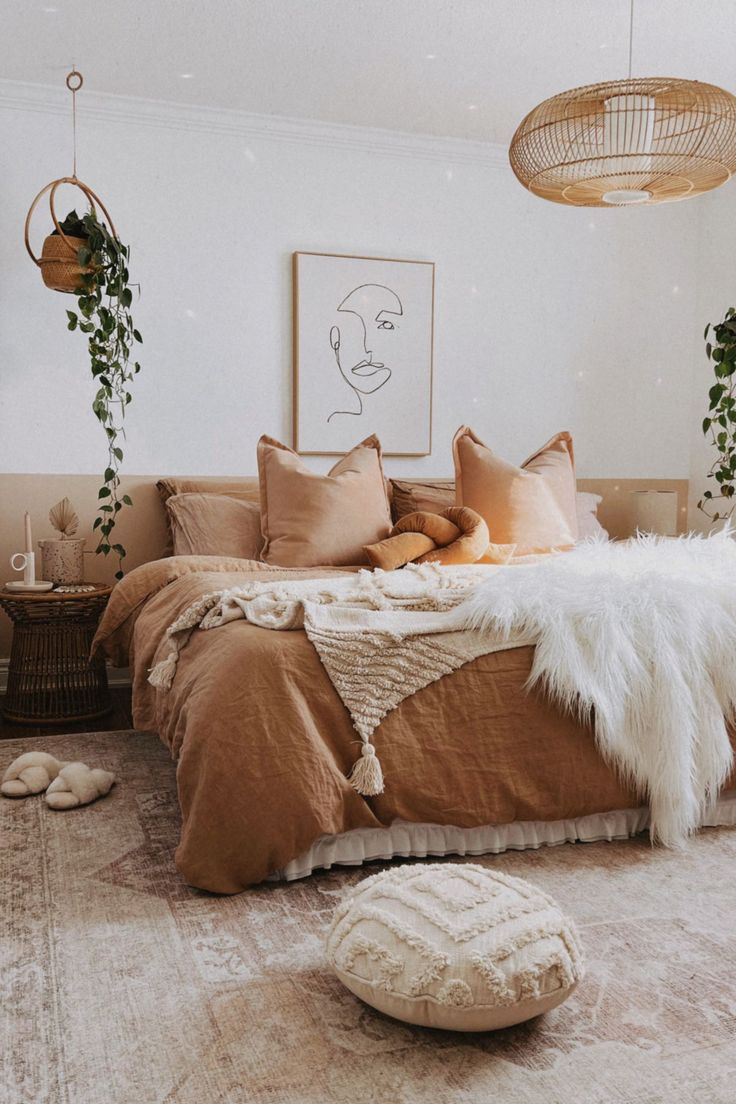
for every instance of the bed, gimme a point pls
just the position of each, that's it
(263, 744)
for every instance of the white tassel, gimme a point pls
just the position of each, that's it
(366, 776)
(162, 675)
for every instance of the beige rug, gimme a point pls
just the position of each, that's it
(120, 985)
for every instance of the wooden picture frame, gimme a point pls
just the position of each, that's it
(363, 353)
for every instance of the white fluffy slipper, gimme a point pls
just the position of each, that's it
(30, 774)
(77, 785)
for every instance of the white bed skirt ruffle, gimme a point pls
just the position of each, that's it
(418, 841)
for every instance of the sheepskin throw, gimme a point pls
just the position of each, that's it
(638, 637)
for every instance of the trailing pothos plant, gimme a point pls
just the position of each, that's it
(104, 300)
(720, 424)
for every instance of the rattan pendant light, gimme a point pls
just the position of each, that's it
(634, 141)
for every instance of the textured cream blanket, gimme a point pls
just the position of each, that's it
(381, 636)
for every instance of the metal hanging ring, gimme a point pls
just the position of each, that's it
(70, 77)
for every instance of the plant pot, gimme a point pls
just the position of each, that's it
(60, 268)
(62, 561)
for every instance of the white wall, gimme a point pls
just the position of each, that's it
(546, 317)
(715, 294)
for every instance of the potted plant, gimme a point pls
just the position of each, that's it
(104, 297)
(720, 423)
(62, 557)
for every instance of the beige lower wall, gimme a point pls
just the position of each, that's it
(142, 530)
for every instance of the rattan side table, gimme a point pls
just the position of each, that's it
(51, 679)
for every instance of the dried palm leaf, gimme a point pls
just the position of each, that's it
(63, 518)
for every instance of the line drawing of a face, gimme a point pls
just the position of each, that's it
(361, 350)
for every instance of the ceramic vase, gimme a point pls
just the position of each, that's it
(62, 561)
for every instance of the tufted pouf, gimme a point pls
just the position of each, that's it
(455, 946)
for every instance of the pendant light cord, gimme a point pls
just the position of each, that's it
(631, 34)
(74, 82)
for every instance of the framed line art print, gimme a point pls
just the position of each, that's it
(363, 346)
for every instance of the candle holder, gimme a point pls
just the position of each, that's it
(26, 562)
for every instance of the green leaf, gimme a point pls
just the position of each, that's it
(137, 336)
(127, 500)
(118, 453)
(715, 393)
(104, 492)
(706, 425)
(109, 474)
(119, 574)
(98, 523)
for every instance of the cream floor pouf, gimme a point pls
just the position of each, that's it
(454, 946)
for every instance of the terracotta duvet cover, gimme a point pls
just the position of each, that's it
(263, 743)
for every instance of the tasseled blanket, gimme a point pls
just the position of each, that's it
(381, 636)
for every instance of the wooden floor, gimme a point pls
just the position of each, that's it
(119, 718)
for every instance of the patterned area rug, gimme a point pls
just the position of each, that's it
(120, 985)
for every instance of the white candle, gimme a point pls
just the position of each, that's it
(29, 539)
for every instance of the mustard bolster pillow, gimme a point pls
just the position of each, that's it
(398, 549)
(456, 536)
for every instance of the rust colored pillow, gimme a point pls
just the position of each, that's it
(430, 496)
(532, 506)
(456, 536)
(313, 520)
(214, 525)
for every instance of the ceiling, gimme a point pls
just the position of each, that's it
(460, 68)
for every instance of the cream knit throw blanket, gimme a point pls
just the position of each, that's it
(638, 637)
(381, 636)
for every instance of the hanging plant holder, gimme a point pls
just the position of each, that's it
(85, 257)
(59, 260)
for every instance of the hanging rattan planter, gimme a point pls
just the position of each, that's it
(59, 260)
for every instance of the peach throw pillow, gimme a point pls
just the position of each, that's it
(532, 506)
(312, 520)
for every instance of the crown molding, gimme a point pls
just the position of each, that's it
(161, 114)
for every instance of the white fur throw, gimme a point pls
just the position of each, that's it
(640, 637)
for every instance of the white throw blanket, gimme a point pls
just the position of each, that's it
(639, 636)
